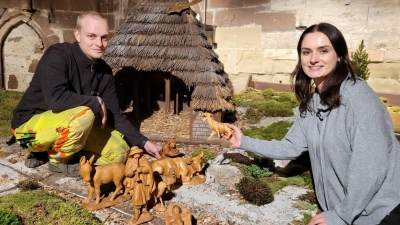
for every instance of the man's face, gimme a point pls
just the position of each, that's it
(93, 37)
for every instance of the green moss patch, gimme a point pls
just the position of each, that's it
(42, 208)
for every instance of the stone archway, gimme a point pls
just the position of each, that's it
(31, 36)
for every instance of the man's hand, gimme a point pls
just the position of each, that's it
(236, 138)
(317, 220)
(153, 149)
(103, 112)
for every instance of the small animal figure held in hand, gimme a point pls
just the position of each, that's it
(217, 127)
(98, 175)
(169, 149)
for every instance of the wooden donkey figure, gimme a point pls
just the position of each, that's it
(98, 175)
(217, 127)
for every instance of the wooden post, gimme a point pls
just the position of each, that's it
(147, 95)
(177, 103)
(135, 100)
(167, 94)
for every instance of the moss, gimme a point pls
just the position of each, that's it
(306, 219)
(309, 197)
(274, 108)
(245, 97)
(253, 115)
(8, 101)
(289, 97)
(275, 131)
(28, 185)
(394, 109)
(207, 155)
(256, 191)
(42, 208)
(278, 185)
(302, 205)
(384, 101)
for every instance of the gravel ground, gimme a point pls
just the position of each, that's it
(206, 202)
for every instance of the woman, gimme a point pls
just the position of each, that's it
(347, 131)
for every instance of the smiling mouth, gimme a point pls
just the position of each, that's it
(315, 67)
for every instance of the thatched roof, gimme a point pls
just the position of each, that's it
(150, 39)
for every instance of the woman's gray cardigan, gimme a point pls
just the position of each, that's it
(354, 154)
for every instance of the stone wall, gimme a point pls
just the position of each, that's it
(28, 27)
(251, 37)
(259, 37)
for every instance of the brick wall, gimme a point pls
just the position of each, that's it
(200, 128)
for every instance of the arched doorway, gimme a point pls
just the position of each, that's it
(22, 50)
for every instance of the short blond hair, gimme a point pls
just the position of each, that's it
(92, 14)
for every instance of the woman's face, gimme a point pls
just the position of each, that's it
(318, 57)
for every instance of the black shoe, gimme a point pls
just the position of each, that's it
(69, 170)
(35, 159)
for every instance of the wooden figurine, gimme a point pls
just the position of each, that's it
(140, 184)
(164, 184)
(177, 215)
(217, 127)
(169, 149)
(187, 170)
(98, 175)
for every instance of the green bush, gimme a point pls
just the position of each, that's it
(207, 155)
(256, 191)
(360, 61)
(7, 218)
(257, 172)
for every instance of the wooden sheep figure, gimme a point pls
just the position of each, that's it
(217, 127)
(98, 175)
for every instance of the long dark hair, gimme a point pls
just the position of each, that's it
(330, 96)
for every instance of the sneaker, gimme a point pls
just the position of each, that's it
(35, 159)
(69, 170)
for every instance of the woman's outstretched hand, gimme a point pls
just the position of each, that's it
(236, 137)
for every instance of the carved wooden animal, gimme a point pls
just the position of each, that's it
(184, 167)
(169, 149)
(98, 175)
(165, 183)
(217, 127)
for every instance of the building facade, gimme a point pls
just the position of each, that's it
(252, 37)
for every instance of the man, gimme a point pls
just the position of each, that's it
(69, 101)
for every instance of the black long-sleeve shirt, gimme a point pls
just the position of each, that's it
(64, 79)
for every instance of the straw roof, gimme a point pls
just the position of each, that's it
(150, 39)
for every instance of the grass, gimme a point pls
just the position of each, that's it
(43, 208)
(8, 101)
